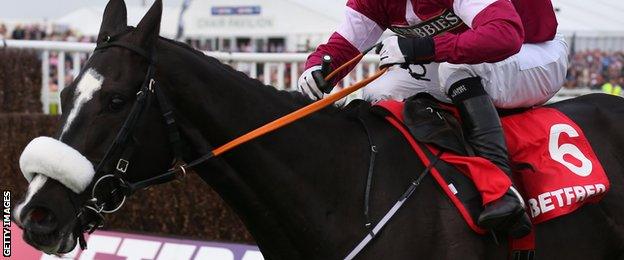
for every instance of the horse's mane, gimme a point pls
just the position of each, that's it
(299, 99)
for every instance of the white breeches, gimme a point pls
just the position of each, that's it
(530, 77)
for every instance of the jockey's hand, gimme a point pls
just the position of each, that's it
(307, 85)
(400, 50)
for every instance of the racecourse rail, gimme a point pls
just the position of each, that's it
(272, 64)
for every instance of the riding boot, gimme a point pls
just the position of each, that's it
(484, 132)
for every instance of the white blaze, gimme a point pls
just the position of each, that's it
(34, 186)
(90, 83)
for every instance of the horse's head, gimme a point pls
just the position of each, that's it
(111, 126)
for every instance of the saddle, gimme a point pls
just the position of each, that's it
(540, 138)
(432, 123)
(553, 164)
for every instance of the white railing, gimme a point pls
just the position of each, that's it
(283, 68)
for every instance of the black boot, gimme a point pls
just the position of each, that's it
(484, 132)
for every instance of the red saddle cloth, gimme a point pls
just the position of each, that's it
(554, 164)
(555, 167)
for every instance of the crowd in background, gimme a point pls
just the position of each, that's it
(40, 32)
(55, 33)
(593, 69)
(272, 45)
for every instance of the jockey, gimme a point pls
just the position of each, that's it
(478, 54)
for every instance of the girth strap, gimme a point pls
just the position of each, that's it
(393, 210)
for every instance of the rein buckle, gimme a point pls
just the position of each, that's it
(122, 165)
(182, 168)
(150, 87)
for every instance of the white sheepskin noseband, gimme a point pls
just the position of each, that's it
(56, 160)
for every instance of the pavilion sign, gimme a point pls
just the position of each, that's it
(235, 22)
(236, 10)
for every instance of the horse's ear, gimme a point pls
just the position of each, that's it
(115, 19)
(149, 27)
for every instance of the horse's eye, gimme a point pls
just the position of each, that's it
(117, 103)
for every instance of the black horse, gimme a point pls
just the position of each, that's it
(298, 190)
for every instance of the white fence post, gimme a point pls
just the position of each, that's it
(76, 64)
(45, 81)
(253, 71)
(294, 75)
(266, 73)
(281, 69)
(60, 65)
(60, 72)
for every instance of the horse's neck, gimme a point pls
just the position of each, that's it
(281, 177)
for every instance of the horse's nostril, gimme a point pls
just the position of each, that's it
(40, 220)
(38, 214)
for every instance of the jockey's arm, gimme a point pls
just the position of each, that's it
(362, 28)
(495, 33)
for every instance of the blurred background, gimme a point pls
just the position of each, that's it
(44, 44)
(593, 29)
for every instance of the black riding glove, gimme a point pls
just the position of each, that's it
(400, 50)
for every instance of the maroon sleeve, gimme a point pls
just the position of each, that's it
(363, 25)
(339, 49)
(538, 18)
(496, 34)
(373, 9)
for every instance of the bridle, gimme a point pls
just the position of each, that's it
(110, 191)
(115, 162)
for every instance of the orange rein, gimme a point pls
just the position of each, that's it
(305, 111)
